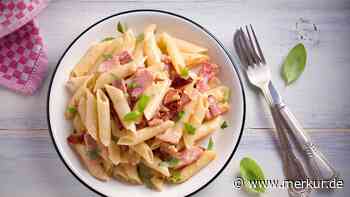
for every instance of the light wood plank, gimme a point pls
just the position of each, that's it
(319, 98)
(31, 167)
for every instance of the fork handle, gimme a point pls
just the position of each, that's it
(321, 168)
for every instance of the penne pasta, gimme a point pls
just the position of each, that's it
(117, 73)
(208, 128)
(78, 124)
(156, 165)
(104, 119)
(89, 60)
(121, 106)
(177, 59)
(91, 115)
(194, 59)
(157, 93)
(82, 110)
(93, 166)
(187, 47)
(74, 83)
(144, 151)
(114, 153)
(157, 182)
(151, 50)
(129, 41)
(127, 173)
(145, 134)
(221, 93)
(190, 170)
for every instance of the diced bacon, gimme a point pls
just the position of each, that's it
(214, 108)
(154, 122)
(179, 82)
(142, 79)
(119, 83)
(142, 123)
(171, 95)
(169, 149)
(166, 60)
(206, 73)
(170, 136)
(184, 100)
(124, 57)
(75, 138)
(188, 156)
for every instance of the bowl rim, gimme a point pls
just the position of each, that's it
(162, 12)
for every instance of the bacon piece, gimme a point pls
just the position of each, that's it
(214, 108)
(169, 149)
(188, 156)
(124, 57)
(154, 122)
(206, 73)
(75, 138)
(119, 83)
(142, 79)
(184, 100)
(171, 95)
(179, 82)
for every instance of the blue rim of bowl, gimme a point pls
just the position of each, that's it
(163, 12)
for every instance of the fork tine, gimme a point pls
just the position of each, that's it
(247, 50)
(257, 44)
(241, 50)
(252, 49)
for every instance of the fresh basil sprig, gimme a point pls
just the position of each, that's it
(294, 65)
(252, 175)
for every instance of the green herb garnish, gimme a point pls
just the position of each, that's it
(210, 144)
(142, 103)
(107, 56)
(132, 116)
(72, 110)
(133, 85)
(224, 125)
(107, 39)
(189, 128)
(227, 95)
(184, 72)
(122, 28)
(294, 65)
(180, 115)
(173, 162)
(140, 38)
(93, 154)
(252, 175)
(175, 177)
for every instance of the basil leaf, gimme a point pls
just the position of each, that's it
(294, 65)
(224, 125)
(189, 128)
(140, 38)
(210, 144)
(180, 115)
(184, 72)
(108, 39)
(132, 116)
(72, 110)
(251, 174)
(121, 27)
(142, 103)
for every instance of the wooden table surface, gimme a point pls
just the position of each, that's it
(30, 166)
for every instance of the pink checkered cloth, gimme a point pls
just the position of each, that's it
(23, 59)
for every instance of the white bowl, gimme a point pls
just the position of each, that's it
(226, 141)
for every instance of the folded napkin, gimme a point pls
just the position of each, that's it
(23, 58)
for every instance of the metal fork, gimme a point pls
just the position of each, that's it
(250, 53)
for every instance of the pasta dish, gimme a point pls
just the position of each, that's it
(142, 106)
